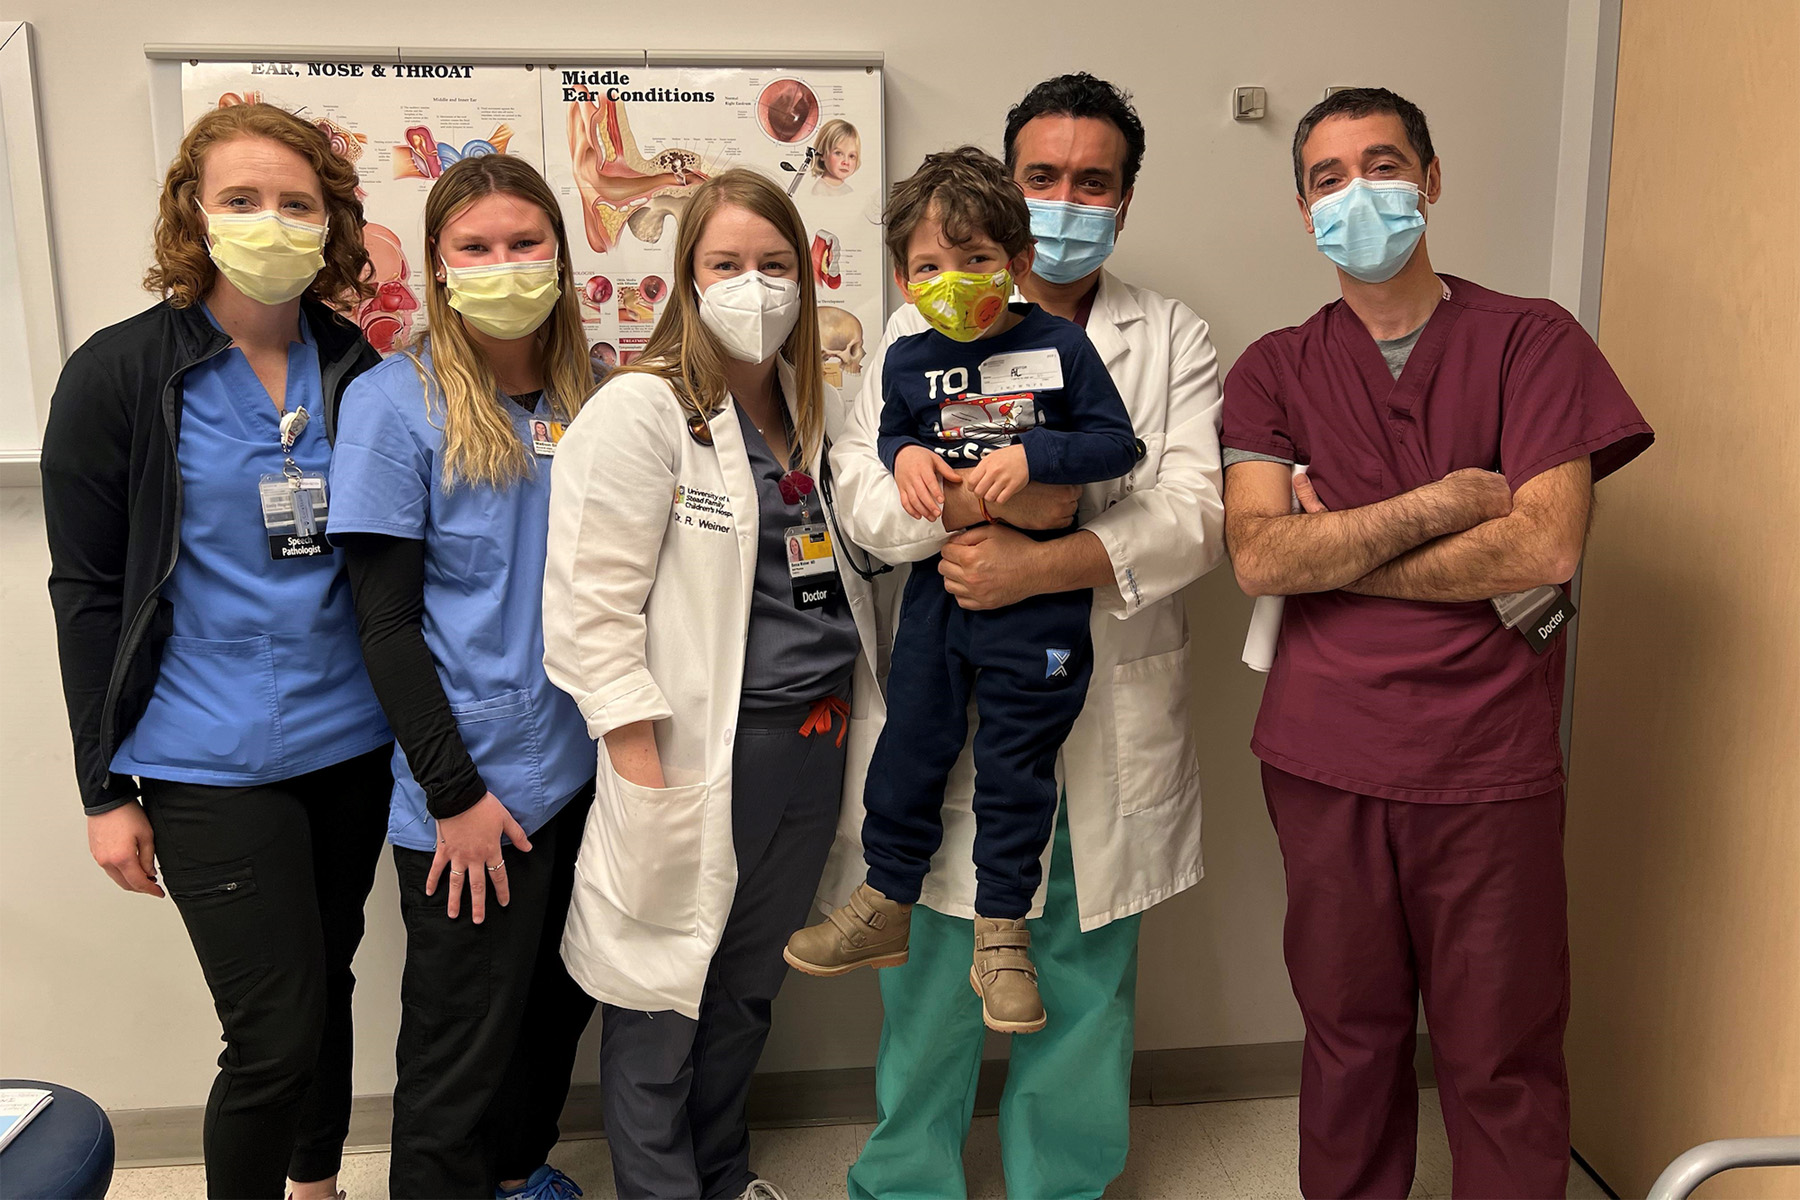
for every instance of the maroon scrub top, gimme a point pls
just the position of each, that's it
(1398, 698)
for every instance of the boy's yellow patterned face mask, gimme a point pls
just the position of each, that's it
(961, 305)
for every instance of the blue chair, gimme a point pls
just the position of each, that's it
(66, 1151)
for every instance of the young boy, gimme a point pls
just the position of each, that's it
(1013, 394)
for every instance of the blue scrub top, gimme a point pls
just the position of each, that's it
(262, 677)
(484, 595)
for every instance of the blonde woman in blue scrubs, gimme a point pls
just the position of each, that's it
(441, 501)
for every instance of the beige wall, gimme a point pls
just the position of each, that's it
(1684, 810)
(100, 988)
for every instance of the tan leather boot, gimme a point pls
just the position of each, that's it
(870, 931)
(1004, 978)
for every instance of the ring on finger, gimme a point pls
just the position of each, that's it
(499, 866)
(454, 872)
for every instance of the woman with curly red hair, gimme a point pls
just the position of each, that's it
(224, 726)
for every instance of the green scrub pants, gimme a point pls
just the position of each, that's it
(1065, 1115)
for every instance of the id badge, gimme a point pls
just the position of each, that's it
(1539, 614)
(293, 511)
(544, 436)
(812, 568)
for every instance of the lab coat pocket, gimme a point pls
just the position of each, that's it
(1155, 740)
(646, 859)
(214, 705)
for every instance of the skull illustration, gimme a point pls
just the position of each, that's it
(840, 343)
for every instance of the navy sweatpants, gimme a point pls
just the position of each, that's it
(1027, 667)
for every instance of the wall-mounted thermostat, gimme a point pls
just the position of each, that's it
(1335, 88)
(1249, 104)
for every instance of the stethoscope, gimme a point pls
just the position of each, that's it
(838, 538)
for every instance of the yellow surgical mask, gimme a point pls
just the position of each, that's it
(268, 257)
(504, 300)
(962, 305)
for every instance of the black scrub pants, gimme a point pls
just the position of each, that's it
(674, 1089)
(270, 880)
(489, 1021)
(1027, 666)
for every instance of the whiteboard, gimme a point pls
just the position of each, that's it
(31, 345)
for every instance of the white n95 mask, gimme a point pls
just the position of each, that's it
(751, 314)
(268, 257)
(504, 300)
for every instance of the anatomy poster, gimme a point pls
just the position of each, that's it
(626, 147)
(401, 125)
(623, 147)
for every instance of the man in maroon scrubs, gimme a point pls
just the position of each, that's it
(1409, 737)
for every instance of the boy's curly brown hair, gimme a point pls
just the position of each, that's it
(184, 272)
(970, 193)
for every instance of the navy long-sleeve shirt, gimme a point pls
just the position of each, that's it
(1040, 384)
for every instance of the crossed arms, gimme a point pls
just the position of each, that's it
(1465, 537)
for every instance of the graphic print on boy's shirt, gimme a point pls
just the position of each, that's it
(1040, 384)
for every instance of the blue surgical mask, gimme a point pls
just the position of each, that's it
(1072, 239)
(1370, 229)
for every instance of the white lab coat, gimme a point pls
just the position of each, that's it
(1128, 767)
(652, 559)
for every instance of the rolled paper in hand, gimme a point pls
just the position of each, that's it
(1265, 619)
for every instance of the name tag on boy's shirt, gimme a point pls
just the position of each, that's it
(1020, 371)
(812, 568)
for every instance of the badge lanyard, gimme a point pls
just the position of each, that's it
(811, 563)
(294, 506)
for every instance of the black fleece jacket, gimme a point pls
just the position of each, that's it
(112, 508)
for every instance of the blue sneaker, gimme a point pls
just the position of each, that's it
(546, 1183)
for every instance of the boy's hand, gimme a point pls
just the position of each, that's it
(1000, 476)
(921, 475)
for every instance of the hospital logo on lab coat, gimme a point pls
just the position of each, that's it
(1056, 665)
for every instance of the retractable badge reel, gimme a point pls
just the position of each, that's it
(293, 502)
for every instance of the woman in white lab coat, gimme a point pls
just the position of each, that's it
(729, 683)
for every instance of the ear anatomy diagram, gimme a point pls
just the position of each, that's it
(827, 260)
(634, 306)
(424, 157)
(344, 143)
(617, 183)
(840, 343)
(787, 110)
(386, 317)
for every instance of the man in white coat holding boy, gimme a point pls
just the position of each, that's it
(1128, 835)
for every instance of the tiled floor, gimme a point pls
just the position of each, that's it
(1242, 1149)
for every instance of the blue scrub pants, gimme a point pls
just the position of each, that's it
(1027, 666)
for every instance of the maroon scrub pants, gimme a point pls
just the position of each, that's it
(1464, 905)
